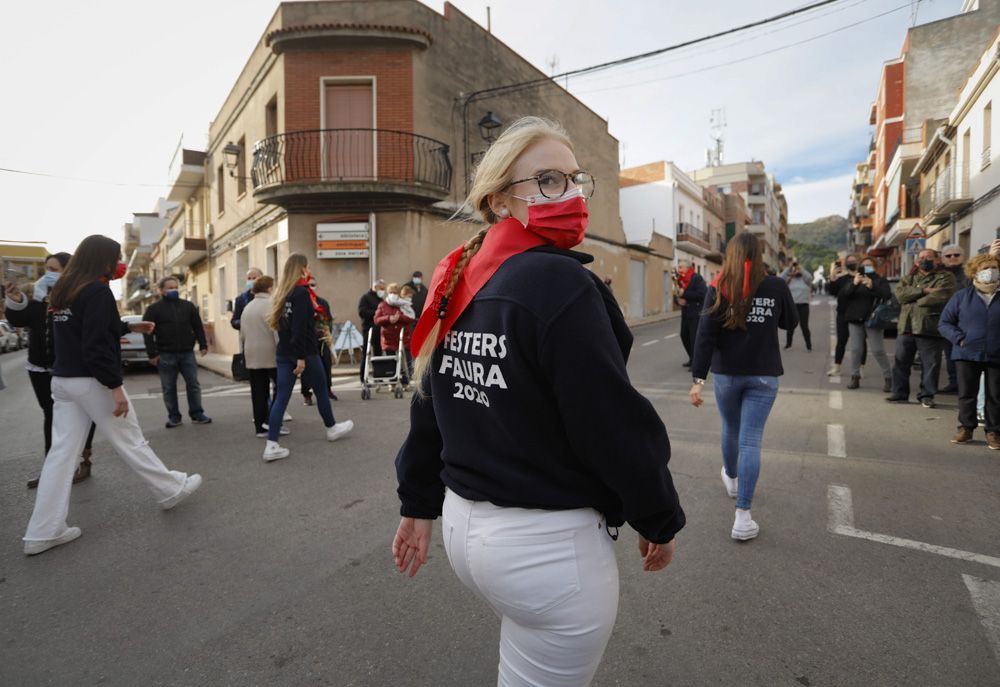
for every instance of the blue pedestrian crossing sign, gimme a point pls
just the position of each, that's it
(915, 245)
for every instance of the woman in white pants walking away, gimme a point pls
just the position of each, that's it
(87, 387)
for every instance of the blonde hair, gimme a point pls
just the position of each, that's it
(492, 175)
(406, 290)
(980, 262)
(392, 288)
(294, 268)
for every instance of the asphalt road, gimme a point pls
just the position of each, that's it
(281, 574)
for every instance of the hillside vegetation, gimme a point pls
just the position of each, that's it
(817, 243)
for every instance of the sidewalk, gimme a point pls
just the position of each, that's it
(222, 365)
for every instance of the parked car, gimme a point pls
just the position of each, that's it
(23, 334)
(133, 345)
(9, 339)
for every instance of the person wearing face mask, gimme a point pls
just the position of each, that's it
(34, 314)
(800, 285)
(922, 295)
(324, 326)
(691, 300)
(87, 387)
(394, 315)
(366, 311)
(842, 273)
(953, 260)
(971, 322)
(170, 349)
(529, 464)
(860, 297)
(245, 297)
(416, 283)
(295, 312)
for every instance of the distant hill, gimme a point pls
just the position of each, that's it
(825, 232)
(816, 243)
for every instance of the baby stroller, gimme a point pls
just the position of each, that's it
(384, 370)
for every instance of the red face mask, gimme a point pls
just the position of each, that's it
(560, 221)
(120, 270)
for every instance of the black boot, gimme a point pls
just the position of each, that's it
(854, 383)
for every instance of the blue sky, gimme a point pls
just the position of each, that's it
(106, 92)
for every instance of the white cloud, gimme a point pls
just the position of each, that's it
(816, 199)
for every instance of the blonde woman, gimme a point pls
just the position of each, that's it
(294, 311)
(530, 464)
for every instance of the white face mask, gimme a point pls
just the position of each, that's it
(380, 293)
(988, 276)
(417, 281)
(539, 199)
(392, 299)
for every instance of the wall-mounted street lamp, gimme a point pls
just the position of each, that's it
(488, 127)
(231, 153)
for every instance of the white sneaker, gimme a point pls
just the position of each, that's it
(191, 485)
(272, 452)
(37, 546)
(339, 430)
(834, 371)
(731, 483)
(287, 418)
(284, 431)
(744, 527)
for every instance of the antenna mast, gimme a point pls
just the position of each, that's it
(717, 127)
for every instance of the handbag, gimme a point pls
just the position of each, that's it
(884, 316)
(239, 368)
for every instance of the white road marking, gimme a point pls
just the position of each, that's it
(836, 400)
(833, 342)
(670, 336)
(650, 343)
(986, 600)
(835, 379)
(841, 521)
(815, 302)
(836, 441)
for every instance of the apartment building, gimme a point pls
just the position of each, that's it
(916, 91)
(764, 199)
(859, 215)
(351, 136)
(958, 180)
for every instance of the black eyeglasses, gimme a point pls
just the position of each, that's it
(553, 184)
(953, 255)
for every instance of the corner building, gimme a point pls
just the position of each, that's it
(347, 137)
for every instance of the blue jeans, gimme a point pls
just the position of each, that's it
(313, 376)
(185, 363)
(744, 403)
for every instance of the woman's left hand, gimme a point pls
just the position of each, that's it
(695, 395)
(300, 366)
(142, 327)
(409, 547)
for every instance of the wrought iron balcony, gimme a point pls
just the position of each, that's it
(692, 240)
(941, 199)
(350, 169)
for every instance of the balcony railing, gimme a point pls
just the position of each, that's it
(683, 228)
(351, 161)
(940, 199)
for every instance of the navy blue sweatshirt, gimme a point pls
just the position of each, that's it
(751, 351)
(87, 336)
(529, 405)
(297, 327)
(694, 295)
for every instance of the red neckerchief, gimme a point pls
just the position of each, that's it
(320, 312)
(747, 266)
(502, 241)
(685, 277)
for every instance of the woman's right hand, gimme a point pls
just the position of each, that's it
(300, 366)
(121, 402)
(695, 395)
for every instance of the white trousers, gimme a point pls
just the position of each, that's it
(77, 402)
(551, 576)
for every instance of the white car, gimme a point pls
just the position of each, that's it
(9, 339)
(133, 345)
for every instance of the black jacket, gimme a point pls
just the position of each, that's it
(510, 419)
(35, 316)
(694, 295)
(240, 304)
(297, 336)
(835, 287)
(366, 309)
(86, 337)
(960, 279)
(419, 297)
(859, 301)
(178, 327)
(751, 351)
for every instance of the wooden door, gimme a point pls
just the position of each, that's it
(349, 136)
